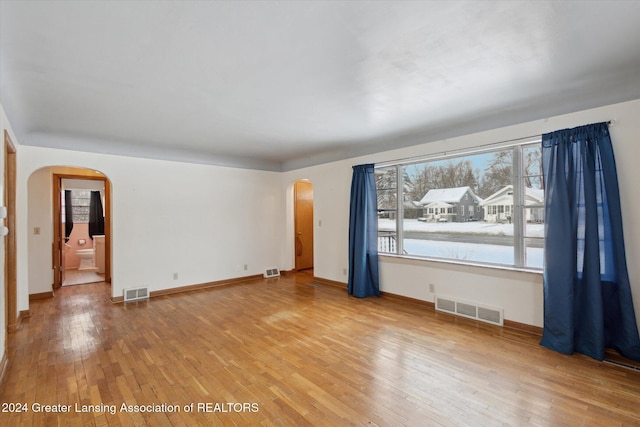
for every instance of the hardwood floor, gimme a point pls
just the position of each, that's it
(284, 352)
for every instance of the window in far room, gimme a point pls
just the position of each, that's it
(80, 201)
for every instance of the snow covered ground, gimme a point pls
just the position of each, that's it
(472, 252)
(533, 230)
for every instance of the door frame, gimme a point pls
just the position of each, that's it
(10, 259)
(56, 246)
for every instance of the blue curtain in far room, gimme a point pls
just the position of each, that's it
(363, 234)
(587, 295)
(96, 215)
(68, 215)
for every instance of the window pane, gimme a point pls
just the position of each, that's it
(387, 194)
(534, 222)
(532, 161)
(80, 202)
(444, 213)
(534, 252)
(533, 182)
(534, 191)
(387, 241)
(80, 213)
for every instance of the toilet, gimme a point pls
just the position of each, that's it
(86, 259)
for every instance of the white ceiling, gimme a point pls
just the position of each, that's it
(279, 85)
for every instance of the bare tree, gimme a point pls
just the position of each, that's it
(451, 174)
(497, 174)
(533, 167)
(386, 191)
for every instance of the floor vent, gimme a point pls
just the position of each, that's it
(492, 315)
(622, 364)
(136, 294)
(271, 272)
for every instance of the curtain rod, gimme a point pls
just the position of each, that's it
(478, 148)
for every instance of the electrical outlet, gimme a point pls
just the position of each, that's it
(344, 271)
(175, 276)
(36, 230)
(246, 267)
(432, 288)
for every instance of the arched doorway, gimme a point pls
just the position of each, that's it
(303, 224)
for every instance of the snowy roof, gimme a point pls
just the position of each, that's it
(535, 193)
(448, 195)
(498, 195)
(411, 204)
(506, 193)
(438, 205)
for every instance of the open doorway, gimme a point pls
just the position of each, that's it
(303, 224)
(81, 217)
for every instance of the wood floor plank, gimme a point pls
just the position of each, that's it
(279, 352)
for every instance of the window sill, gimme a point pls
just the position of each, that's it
(471, 265)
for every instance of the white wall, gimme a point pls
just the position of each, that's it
(202, 222)
(40, 200)
(519, 293)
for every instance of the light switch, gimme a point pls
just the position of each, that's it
(36, 230)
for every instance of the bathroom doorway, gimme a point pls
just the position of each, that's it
(81, 246)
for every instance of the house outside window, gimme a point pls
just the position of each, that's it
(480, 208)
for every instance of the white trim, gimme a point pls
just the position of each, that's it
(480, 149)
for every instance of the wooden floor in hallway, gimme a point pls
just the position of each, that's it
(290, 352)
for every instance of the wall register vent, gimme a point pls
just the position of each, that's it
(271, 272)
(136, 294)
(471, 310)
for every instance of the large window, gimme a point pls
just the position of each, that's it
(484, 207)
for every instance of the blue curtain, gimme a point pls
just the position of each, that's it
(587, 296)
(363, 234)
